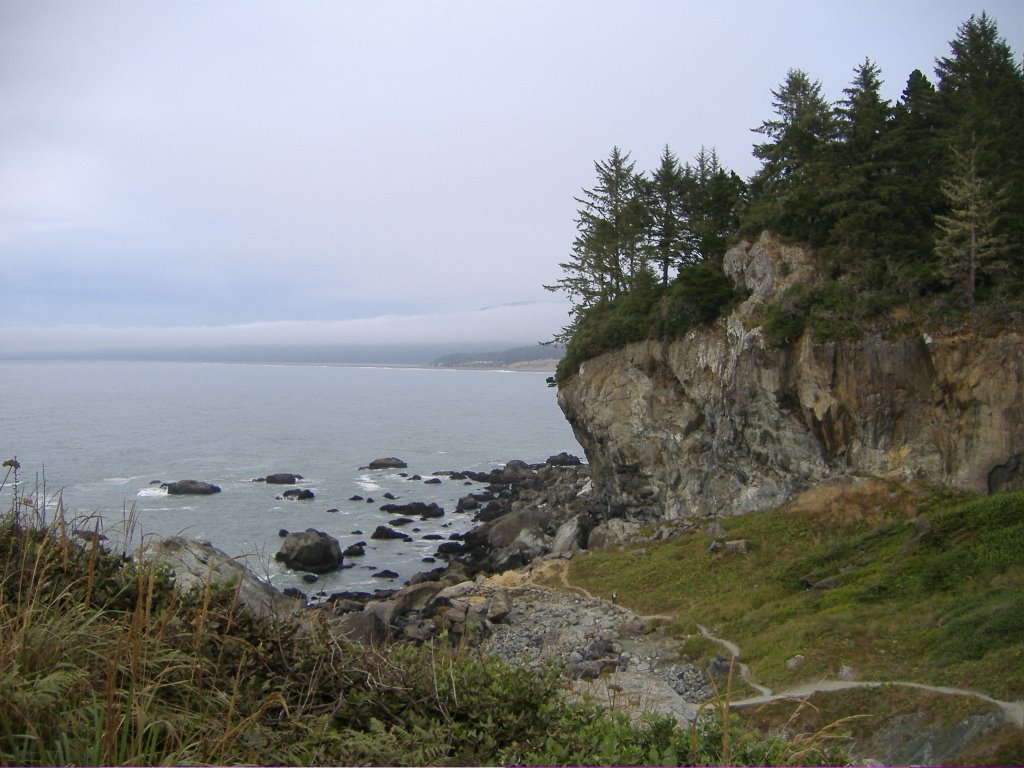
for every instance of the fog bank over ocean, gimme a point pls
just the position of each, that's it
(398, 339)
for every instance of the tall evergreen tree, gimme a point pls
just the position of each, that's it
(917, 197)
(666, 194)
(968, 244)
(786, 192)
(981, 103)
(607, 254)
(716, 197)
(866, 231)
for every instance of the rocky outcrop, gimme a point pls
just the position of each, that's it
(191, 487)
(389, 462)
(311, 551)
(721, 422)
(198, 563)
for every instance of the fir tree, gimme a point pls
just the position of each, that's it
(666, 194)
(981, 112)
(786, 192)
(968, 245)
(607, 254)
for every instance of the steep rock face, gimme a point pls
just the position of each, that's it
(719, 422)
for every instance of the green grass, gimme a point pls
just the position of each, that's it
(927, 587)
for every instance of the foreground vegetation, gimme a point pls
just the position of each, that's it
(896, 583)
(104, 662)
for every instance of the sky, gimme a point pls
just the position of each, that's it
(195, 173)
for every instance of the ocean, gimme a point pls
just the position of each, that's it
(102, 436)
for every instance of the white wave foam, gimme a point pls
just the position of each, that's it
(148, 493)
(366, 483)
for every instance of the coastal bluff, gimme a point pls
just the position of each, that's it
(723, 422)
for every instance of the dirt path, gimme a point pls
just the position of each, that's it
(642, 689)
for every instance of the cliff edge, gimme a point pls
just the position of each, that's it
(721, 422)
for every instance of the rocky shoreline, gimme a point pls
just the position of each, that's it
(531, 518)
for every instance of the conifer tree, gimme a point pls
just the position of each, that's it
(607, 254)
(715, 199)
(866, 231)
(968, 244)
(981, 112)
(916, 196)
(666, 194)
(786, 192)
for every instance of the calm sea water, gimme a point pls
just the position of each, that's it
(101, 433)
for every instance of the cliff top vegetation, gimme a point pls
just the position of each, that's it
(915, 208)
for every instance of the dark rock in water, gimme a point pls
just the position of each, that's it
(428, 560)
(563, 459)
(191, 488)
(295, 592)
(332, 510)
(385, 574)
(387, 463)
(451, 548)
(369, 500)
(155, 482)
(467, 504)
(400, 521)
(390, 495)
(433, 537)
(357, 532)
(282, 532)
(356, 550)
(432, 481)
(313, 551)
(310, 578)
(424, 510)
(282, 478)
(357, 497)
(383, 532)
(298, 494)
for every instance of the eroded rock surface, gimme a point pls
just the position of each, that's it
(721, 422)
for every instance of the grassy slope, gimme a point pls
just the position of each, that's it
(927, 587)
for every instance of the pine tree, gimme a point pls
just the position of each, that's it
(915, 191)
(666, 194)
(981, 112)
(866, 231)
(968, 245)
(786, 192)
(607, 254)
(715, 201)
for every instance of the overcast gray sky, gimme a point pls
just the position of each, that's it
(167, 169)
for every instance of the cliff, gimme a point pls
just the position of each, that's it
(721, 422)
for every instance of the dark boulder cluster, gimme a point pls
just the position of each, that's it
(527, 511)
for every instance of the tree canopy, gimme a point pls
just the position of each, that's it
(921, 200)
